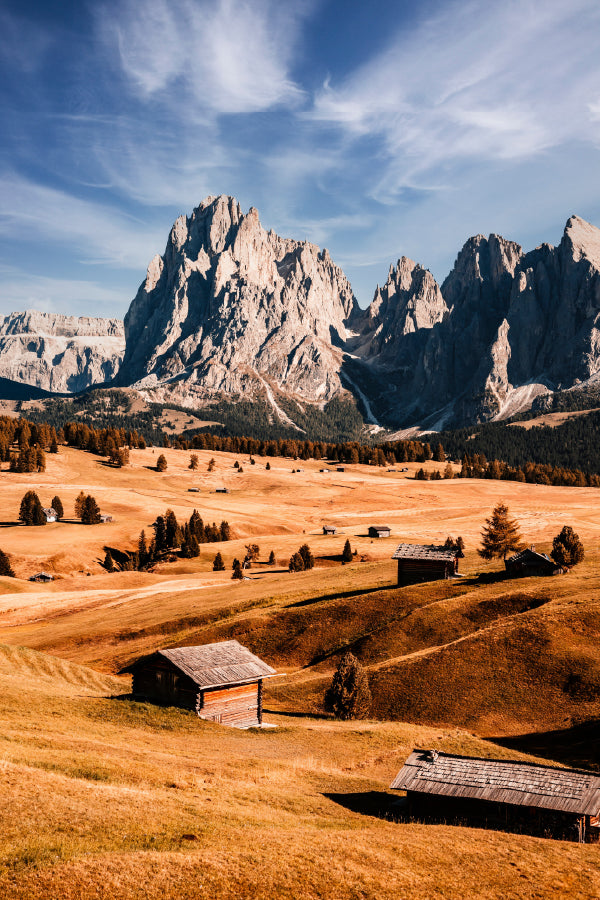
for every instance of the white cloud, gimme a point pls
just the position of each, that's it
(217, 56)
(476, 82)
(95, 233)
(20, 290)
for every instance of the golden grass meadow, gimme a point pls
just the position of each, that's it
(103, 797)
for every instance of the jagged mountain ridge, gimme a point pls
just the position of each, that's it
(59, 354)
(231, 310)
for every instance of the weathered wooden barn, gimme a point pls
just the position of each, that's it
(530, 562)
(379, 531)
(222, 682)
(538, 799)
(419, 562)
(329, 529)
(50, 513)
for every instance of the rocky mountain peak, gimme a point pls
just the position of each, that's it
(582, 240)
(229, 305)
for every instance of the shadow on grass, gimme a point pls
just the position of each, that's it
(342, 595)
(577, 746)
(294, 714)
(376, 804)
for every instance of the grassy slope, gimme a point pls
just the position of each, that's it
(106, 798)
(106, 785)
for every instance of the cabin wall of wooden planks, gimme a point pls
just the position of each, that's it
(415, 570)
(161, 682)
(238, 706)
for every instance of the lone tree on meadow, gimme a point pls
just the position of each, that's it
(31, 512)
(193, 461)
(218, 564)
(567, 549)
(90, 513)
(6, 570)
(347, 552)
(161, 463)
(348, 696)
(272, 558)
(500, 535)
(237, 569)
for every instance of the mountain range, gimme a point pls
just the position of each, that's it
(233, 311)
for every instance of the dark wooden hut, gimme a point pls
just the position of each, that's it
(222, 682)
(379, 531)
(539, 799)
(530, 562)
(419, 562)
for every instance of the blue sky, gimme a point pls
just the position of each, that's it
(376, 130)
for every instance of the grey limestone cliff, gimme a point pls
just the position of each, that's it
(60, 354)
(231, 308)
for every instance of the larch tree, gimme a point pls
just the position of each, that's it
(57, 507)
(348, 696)
(500, 535)
(6, 570)
(567, 549)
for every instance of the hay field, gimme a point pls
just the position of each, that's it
(106, 798)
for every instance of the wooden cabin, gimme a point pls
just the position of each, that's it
(104, 517)
(222, 682)
(50, 513)
(544, 800)
(42, 577)
(379, 531)
(419, 562)
(221, 490)
(329, 529)
(530, 562)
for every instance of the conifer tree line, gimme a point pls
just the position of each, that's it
(24, 444)
(169, 537)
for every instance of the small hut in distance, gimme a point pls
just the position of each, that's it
(379, 531)
(530, 562)
(221, 682)
(329, 529)
(420, 562)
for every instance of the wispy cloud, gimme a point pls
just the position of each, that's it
(95, 234)
(20, 290)
(224, 56)
(476, 82)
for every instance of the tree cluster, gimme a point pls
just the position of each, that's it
(301, 560)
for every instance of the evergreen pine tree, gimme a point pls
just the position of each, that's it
(6, 570)
(109, 563)
(237, 569)
(500, 534)
(161, 463)
(90, 514)
(218, 564)
(31, 512)
(272, 558)
(307, 557)
(348, 696)
(57, 507)
(79, 502)
(347, 552)
(567, 549)
(142, 550)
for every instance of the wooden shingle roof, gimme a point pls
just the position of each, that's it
(502, 781)
(530, 555)
(425, 551)
(220, 664)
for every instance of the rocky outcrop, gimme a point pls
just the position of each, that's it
(230, 307)
(517, 324)
(60, 354)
